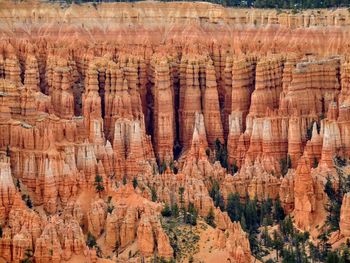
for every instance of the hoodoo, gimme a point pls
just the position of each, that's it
(174, 132)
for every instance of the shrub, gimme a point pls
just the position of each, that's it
(134, 182)
(210, 218)
(91, 241)
(166, 212)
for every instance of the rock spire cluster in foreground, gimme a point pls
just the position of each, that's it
(109, 112)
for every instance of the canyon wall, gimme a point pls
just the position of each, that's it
(96, 97)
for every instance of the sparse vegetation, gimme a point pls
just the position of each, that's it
(166, 212)
(18, 185)
(8, 152)
(207, 152)
(175, 210)
(28, 256)
(210, 218)
(216, 195)
(110, 208)
(285, 164)
(335, 193)
(135, 182)
(294, 5)
(99, 184)
(91, 240)
(154, 194)
(163, 167)
(234, 167)
(116, 247)
(191, 215)
(27, 200)
(125, 181)
(183, 237)
(221, 153)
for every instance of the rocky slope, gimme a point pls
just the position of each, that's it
(96, 98)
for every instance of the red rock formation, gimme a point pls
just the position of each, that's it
(149, 233)
(243, 83)
(345, 84)
(211, 108)
(227, 93)
(97, 217)
(286, 192)
(61, 93)
(131, 145)
(268, 85)
(295, 140)
(234, 240)
(314, 85)
(304, 195)
(177, 82)
(331, 141)
(31, 78)
(344, 216)
(7, 191)
(11, 66)
(60, 239)
(164, 113)
(234, 135)
(190, 103)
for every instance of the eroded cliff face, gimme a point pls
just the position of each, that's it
(94, 98)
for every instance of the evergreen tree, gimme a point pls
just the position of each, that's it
(286, 226)
(253, 242)
(91, 241)
(175, 210)
(334, 205)
(171, 166)
(125, 181)
(251, 215)
(163, 167)
(243, 223)
(28, 256)
(278, 212)
(210, 218)
(191, 215)
(134, 182)
(315, 253)
(154, 194)
(166, 212)
(29, 202)
(267, 241)
(8, 152)
(266, 212)
(277, 243)
(216, 195)
(333, 257)
(234, 207)
(116, 247)
(99, 184)
(315, 163)
(234, 168)
(221, 153)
